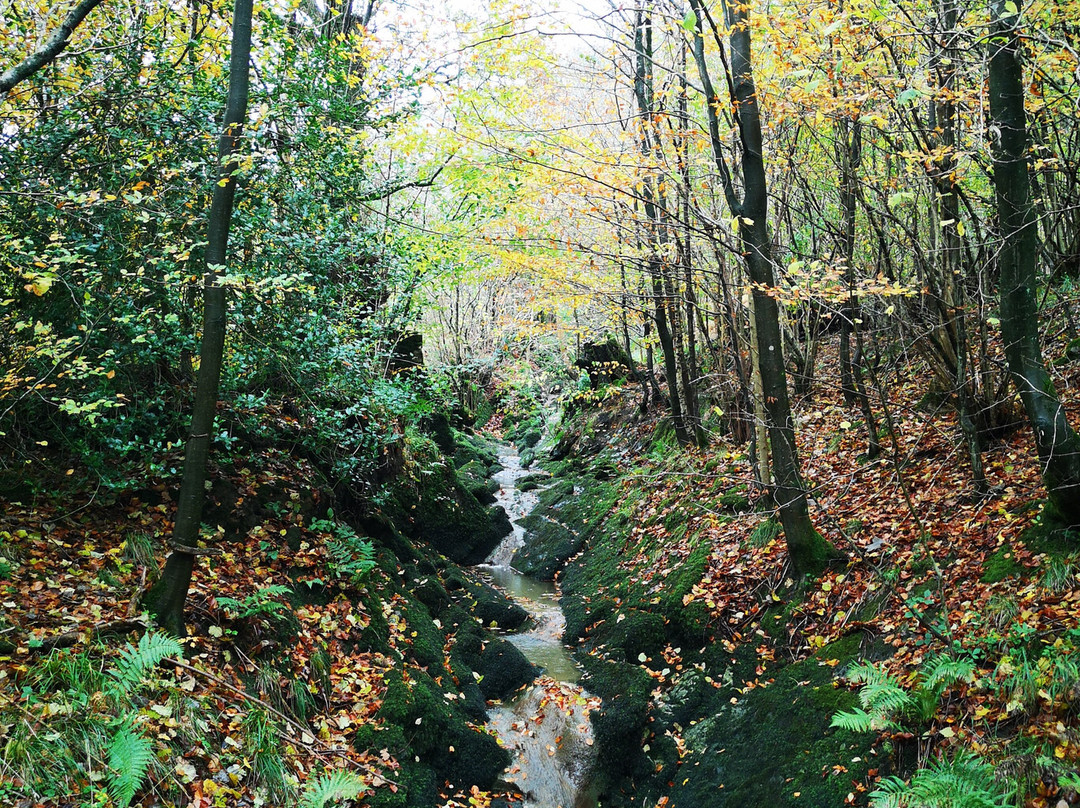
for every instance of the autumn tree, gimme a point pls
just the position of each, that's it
(807, 549)
(1057, 442)
(167, 599)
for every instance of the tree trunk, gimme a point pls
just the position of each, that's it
(52, 47)
(807, 549)
(167, 598)
(1057, 443)
(665, 308)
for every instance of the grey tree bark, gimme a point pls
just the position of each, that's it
(1057, 443)
(167, 598)
(52, 47)
(808, 551)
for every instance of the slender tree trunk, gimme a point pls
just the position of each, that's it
(807, 549)
(1057, 443)
(762, 467)
(851, 378)
(664, 304)
(167, 598)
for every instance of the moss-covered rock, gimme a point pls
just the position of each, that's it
(568, 514)
(772, 746)
(620, 724)
(438, 509)
(495, 609)
(635, 634)
(474, 476)
(476, 449)
(438, 732)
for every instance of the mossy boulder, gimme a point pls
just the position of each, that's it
(500, 666)
(494, 609)
(634, 634)
(476, 449)
(620, 724)
(568, 514)
(438, 509)
(771, 745)
(439, 733)
(474, 476)
(604, 362)
(437, 425)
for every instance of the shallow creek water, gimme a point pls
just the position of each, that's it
(546, 727)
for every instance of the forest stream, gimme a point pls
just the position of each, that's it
(545, 726)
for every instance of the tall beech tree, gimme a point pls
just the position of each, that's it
(1057, 443)
(166, 600)
(806, 547)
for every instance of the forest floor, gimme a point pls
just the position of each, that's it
(930, 568)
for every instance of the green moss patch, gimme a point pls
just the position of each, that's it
(772, 745)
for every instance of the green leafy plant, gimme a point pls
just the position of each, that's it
(130, 756)
(351, 557)
(965, 781)
(331, 788)
(262, 603)
(262, 742)
(75, 732)
(887, 705)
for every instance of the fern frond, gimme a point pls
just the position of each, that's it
(130, 755)
(889, 793)
(853, 721)
(866, 673)
(966, 781)
(135, 662)
(331, 788)
(885, 698)
(941, 671)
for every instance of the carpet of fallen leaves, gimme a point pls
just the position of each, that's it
(77, 577)
(917, 539)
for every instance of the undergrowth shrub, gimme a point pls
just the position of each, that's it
(351, 557)
(887, 705)
(965, 781)
(77, 728)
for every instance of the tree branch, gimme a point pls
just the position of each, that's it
(56, 42)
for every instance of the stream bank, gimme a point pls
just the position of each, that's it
(696, 708)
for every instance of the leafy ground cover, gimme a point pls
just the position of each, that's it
(706, 650)
(328, 653)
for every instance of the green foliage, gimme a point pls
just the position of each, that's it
(260, 603)
(76, 731)
(331, 788)
(130, 755)
(135, 662)
(766, 531)
(262, 743)
(965, 781)
(886, 705)
(351, 557)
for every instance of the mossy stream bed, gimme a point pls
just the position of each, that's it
(546, 726)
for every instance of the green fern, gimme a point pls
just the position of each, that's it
(331, 788)
(882, 699)
(130, 755)
(257, 604)
(887, 705)
(134, 663)
(966, 781)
